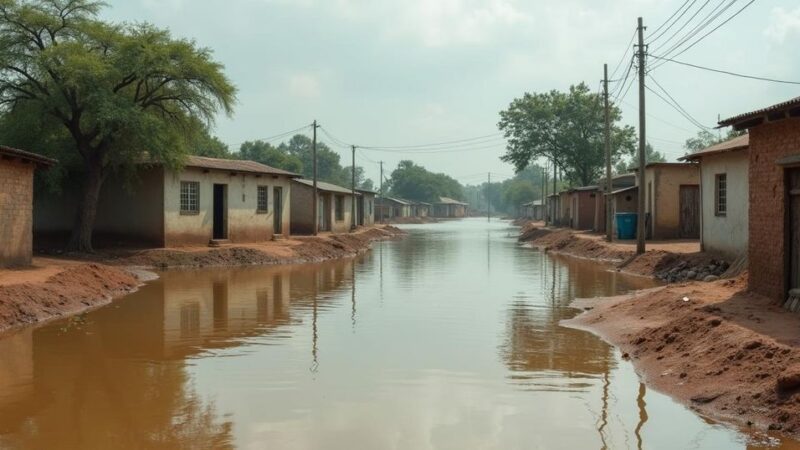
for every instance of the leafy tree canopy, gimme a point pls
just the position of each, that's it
(414, 182)
(566, 128)
(265, 153)
(651, 155)
(705, 139)
(116, 92)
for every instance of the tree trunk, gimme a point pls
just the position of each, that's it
(81, 239)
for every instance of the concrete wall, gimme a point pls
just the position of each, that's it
(16, 213)
(368, 201)
(244, 222)
(623, 202)
(302, 214)
(726, 234)
(767, 244)
(662, 184)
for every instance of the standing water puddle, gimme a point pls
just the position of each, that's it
(448, 339)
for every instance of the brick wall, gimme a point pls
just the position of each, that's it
(767, 247)
(16, 213)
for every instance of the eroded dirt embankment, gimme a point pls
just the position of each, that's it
(297, 250)
(666, 265)
(71, 291)
(724, 352)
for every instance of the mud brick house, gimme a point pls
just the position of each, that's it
(672, 200)
(420, 209)
(584, 203)
(724, 188)
(365, 207)
(564, 218)
(553, 211)
(209, 200)
(334, 207)
(448, 207)
(390, 207)
(774, 200)
(532, 210)
(16, 204)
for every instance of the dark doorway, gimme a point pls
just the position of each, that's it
(220, 211)
(277, 214)
(360, 209)
(690, 211)
(793, 232)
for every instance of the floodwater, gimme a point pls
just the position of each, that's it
(449, 339)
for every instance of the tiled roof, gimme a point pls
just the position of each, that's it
(789, 104)
(738, 143)
(22, 154)
(323, 186)
(234, 165)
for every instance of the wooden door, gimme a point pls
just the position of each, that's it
(690, 211)
(793, 176)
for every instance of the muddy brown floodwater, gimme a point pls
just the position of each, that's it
(448, 339)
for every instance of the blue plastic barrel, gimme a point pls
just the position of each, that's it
(626, 225)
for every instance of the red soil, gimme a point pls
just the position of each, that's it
(724, 352)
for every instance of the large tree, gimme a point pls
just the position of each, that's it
(265, 153)
(705, 139)
(414, 182)
(121, 93)
(651, 155)
(566, 128)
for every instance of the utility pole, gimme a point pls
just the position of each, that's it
(609, 185)
(353, 187)
(383, 202)
(544, 196)
(314, 216)
(640, 223)
(554, 219)
(488, 200)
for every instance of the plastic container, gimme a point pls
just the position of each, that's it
(626, 225)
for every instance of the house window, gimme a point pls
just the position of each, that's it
(721, 195)
(190, 197)
(262, 200)
(339, 207)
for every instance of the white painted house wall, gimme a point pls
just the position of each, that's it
(727, 234)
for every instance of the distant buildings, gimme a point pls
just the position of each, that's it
(447, 207)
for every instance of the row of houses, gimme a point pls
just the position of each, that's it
(740, 198)
(389, 208)
(209, 200)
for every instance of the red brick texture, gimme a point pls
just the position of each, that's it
(767, 242)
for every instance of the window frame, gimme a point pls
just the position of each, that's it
(186, 209)
(259, 190)
(721, 201)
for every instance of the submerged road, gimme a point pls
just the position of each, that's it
(449, 339)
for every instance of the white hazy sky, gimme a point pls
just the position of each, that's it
(406, 72)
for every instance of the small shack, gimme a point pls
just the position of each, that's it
(553, 211)
(533, 210)
(208, 200)
(624, 200)
(16, 204)
(618, 182)
(447, 207)
(672, 200)
(420, 209)
(774, 209)
(390, 207)
(365, 207)
(584, 203)
(334, 207)
(564, 208)
(724, 199)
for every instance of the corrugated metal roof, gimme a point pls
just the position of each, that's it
(22, 154)
(759, 112)
(738, 143)
(620, 191)
(450, 201)
(323, 186)
(234, 165)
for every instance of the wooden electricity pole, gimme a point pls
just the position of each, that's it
(383, 201)
(314, 164)
(640, 222)
(609, 185)
(353, 188)
(488, 200)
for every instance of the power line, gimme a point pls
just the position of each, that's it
(657, 37)
(631, 105)
(752, 77)
(675, 105)
(715, 28)
(700, 26)
(277, 136)
(437, 144)
(627, 49)
(687, 22)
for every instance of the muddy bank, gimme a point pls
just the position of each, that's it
(412, 220)
(296, 250)
(724, 352)
(673, 266)
(71, 291)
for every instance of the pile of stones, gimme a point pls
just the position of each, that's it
(710, 271)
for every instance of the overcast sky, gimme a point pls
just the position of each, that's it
(407, 72)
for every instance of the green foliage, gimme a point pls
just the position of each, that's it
(414, 182)
(506, 196)
(265, 153)
(564, 127)
(207, 145)
(121, 92)
(651, 155)
(705, 139)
